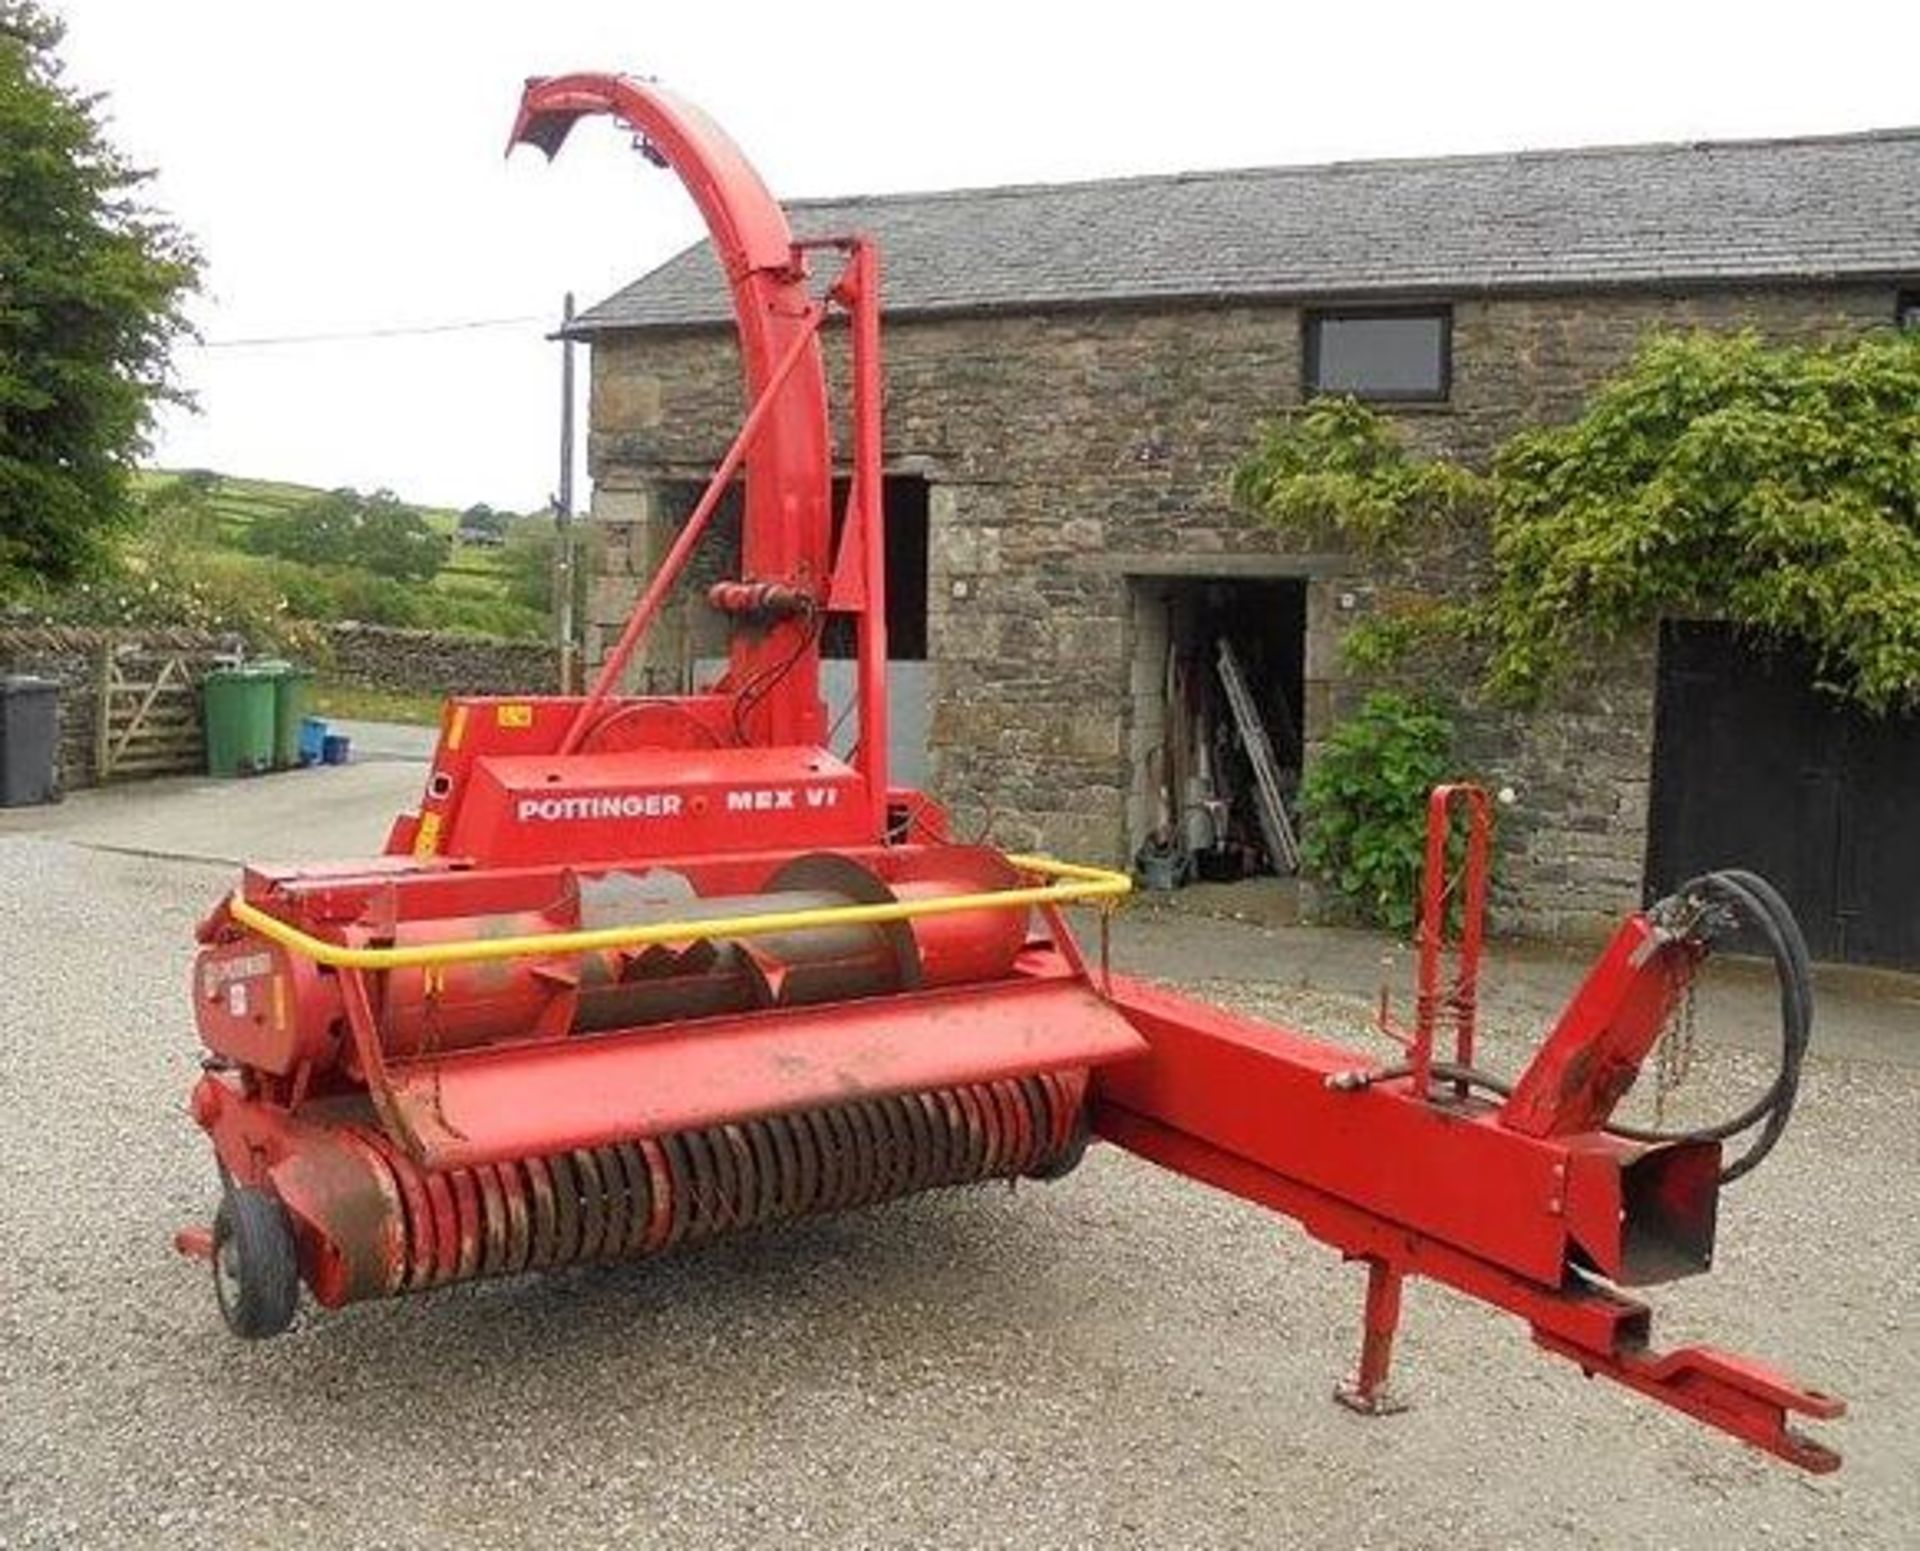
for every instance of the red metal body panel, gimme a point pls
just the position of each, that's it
(1595, 1051)
(472, 1108)
(585, 808)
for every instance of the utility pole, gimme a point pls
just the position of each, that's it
(563, 508)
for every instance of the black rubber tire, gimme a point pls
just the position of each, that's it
(256, 1268)
(1069, 1157)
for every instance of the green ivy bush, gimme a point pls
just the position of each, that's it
(1777, 487)
(1364, 805)
(1720, 477)
(1336, 468)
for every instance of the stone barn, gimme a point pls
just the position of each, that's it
(1073, 369)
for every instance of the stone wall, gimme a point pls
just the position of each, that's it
(428, 662)
(75, 658)
(1069, 452)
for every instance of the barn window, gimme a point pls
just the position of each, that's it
(1907, 310)
(1399, 355)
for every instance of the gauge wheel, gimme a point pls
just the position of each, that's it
(256, 1270)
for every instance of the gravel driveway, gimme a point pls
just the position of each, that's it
(1118, 1358)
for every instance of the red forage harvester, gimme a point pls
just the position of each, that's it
(643, 969)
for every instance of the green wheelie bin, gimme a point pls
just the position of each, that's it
(292, 697)
(239, 705)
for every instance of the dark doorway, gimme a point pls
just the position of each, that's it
(1753, 767)
(1192, 805)
(905, 505)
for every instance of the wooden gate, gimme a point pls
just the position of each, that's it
(147, 715)
(1754, 767)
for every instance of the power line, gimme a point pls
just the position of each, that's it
(343, 336)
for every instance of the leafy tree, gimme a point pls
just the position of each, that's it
(318, 531)
(378, 533)
(394, 540)
(527, 563)
(481, 519)
(1774, 486)
(92, 285)
(1718, 477)
(175, 511)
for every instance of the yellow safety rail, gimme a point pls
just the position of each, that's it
(1074, 884)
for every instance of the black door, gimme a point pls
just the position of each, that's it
(1753, 767)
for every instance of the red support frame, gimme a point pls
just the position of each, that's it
(1416, 1185)
(1525, 1205)
(1461, 997)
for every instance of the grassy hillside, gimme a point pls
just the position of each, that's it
(200, 522)
(473, 569)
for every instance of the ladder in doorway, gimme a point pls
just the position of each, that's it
(1267, 806)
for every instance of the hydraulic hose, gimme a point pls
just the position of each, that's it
(1751, 895)
(1719, 900)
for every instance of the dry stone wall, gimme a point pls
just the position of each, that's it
(429, 662)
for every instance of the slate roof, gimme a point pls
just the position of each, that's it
(1844, 206)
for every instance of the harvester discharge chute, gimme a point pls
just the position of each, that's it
(644, 969)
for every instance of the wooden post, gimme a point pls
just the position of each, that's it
(103, 712)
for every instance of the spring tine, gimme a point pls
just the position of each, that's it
(851, 1156)
(679, 1188)
(515, 1177)
(660, 1193)
(639, 1197)
(708, 1209)
(446, 1228)
(767, 1173)
(593, 1211)
(723, 1209)
(794, 1133)
(826, 1151)
(904, 1148)
(962, 1142)
(544, 1221)
(939, 1136)
(493, 1221)
(1038, 1123)
(746, 1199)
(979, 1138)
(1059, 1120)
(615, 1200)
(566, 1210)
(866, 1148)
(1012, 1127)
(1019, 1124)
(909, 1126)
(729, 1186)
(994, 1129)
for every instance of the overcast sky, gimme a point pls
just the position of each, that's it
(340, 162)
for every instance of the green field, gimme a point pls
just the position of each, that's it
(472, 569)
